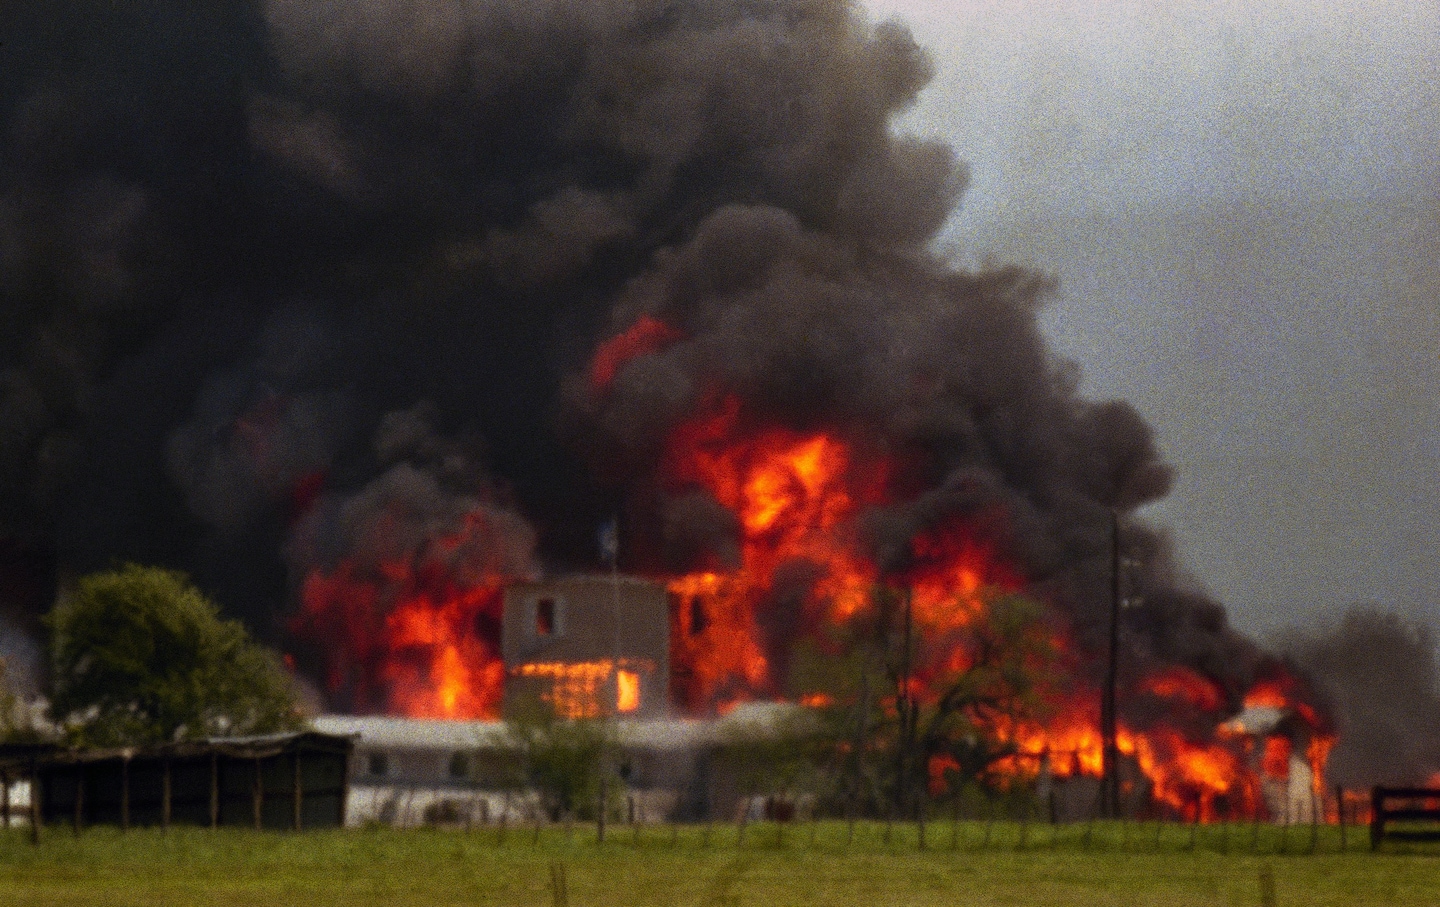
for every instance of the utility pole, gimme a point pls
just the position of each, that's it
(1110, 755)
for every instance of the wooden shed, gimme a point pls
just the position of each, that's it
(276, 781)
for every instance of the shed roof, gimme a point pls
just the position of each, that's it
(253, 747)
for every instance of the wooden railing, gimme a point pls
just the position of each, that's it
(1411, 804)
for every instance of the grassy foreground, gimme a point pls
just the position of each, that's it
(1035, 866)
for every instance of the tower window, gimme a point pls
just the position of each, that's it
(627, 690)
(697, 616)
(378, 765)
(545, 617)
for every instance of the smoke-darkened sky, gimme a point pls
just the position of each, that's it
(1241, 201)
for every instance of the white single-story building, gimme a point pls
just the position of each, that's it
(411, 771)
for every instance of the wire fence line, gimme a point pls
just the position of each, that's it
(1005, 825)
(966, 835)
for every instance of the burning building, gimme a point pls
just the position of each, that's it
(510, 268)
(588, 646)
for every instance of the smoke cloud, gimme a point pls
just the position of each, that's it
(1380, 671)
(293, 281)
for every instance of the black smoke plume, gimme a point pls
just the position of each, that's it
(240, 240)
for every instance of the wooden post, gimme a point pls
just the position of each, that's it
(1195, 825)
(214, 789)
(165, 796)
(79, 796)
(955, 820)
(1026, 810)
(344, 791)
(298, 793)
(34, 803)
(920, 819)
(741, 820)
(125, 792)
(1340, 812)
(600, 813)
(257, 795)
(1377, 817)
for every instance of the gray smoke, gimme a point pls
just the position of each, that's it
(430, 526)
(263, 428)
(470, 196)
(1379, 670)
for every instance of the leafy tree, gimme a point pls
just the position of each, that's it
(139, 655)
(899, 706)
(564, 760)
(777, 749)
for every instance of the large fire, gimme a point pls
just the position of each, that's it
(410, 634)
(417, 637)
(797, 497)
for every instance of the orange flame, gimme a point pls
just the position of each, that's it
(796, 497)
(647, 335)
(408, 635)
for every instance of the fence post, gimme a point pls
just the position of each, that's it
(35, 811)
(257, 796)
(504, 820)
(741, 818)
(955, 821)
(920, 819)
(600, 812)
(850, 817)
(1377, 816)
(1340, 813)
(79, 796)
(298, 793)
(125, 793)
(1025, 810)
(1095, 807)
(1199, 814)
(1314, 821)
(990, 820)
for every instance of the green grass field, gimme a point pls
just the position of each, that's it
(1033, 865)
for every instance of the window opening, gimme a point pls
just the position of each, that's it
(379, 765)
(545, 617)
(460, 765)
(627, 691)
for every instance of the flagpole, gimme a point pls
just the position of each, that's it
(612, 549)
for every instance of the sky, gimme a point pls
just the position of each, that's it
(1241, 202)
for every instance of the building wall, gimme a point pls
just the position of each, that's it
(591, 646)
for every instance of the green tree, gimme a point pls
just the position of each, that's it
(900, 705)
(139, 655)
(562, 759)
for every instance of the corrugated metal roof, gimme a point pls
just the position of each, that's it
(662, 734)
(253, 747)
